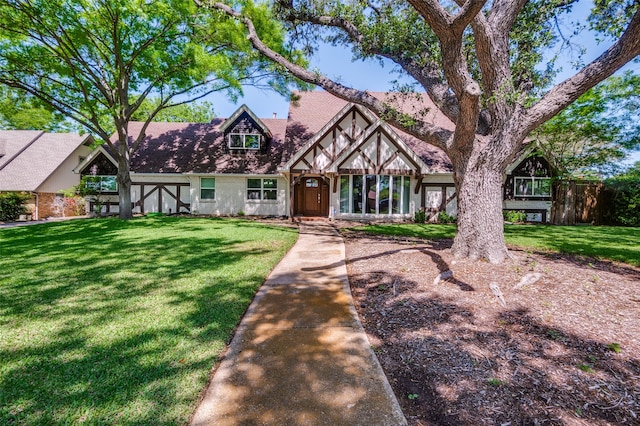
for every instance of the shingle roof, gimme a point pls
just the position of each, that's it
(32, 156)
(314, 109)
(201, 148)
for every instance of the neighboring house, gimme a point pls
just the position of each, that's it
(41, 164)
(329, 158)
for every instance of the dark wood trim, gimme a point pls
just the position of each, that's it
(306, 163)
(418, 186)
(163, 183)
(336, 181)
(389, 160)
(292, 197)
(160, 187)
(443, 204)
(372, 165)
(391, 172)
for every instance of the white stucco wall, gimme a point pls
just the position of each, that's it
(63, 177)
(231, 197)
(169, 204)
(529, 204)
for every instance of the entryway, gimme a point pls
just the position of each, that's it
(312, 197)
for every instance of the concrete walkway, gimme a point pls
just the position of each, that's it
(300, 355)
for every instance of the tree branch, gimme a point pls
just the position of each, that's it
(559, 97)
(422, 130)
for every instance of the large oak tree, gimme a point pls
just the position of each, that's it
(480, 62)
(97, 61)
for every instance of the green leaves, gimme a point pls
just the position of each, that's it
(595, 131)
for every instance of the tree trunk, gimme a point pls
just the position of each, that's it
(124, 182)
(480, 232)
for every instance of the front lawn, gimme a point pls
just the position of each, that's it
(119, 322)
(603, 242)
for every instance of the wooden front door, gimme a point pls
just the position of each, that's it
(314, 197)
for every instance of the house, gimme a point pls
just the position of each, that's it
(41, 164)
(328, 158)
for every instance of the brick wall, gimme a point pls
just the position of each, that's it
(51, 206)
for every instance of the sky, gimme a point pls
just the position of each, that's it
(337, 63)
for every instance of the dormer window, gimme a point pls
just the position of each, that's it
(244, 140)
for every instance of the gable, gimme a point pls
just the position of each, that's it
(532, 166)
(100, 165)
(379, 151)
(332, 141)
(311, 114)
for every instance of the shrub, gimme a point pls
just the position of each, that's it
(420, 216)
(12, 205)
(76, 204)
(444, 217)
(624, 192)
(514, 216)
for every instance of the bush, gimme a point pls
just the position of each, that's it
(12, 205)
(443, 217)
(420, 216)
(514, 216)
(624, 192)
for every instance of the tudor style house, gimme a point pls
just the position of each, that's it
(329, 158)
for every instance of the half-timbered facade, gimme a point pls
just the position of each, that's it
(329, 158)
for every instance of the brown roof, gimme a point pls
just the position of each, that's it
(315, 109)
(30, 157)
(201, 148)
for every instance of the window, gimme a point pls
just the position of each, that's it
(101, 183)
(207, 188)
(374, 194)
(262, 189)
(532, 187)
(244, 141)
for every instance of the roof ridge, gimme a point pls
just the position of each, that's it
(21, 150)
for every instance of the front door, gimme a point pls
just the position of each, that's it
(314, 194)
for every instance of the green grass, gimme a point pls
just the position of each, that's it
(604, 242)
(119, 322)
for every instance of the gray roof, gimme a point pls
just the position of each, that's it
(30, 157)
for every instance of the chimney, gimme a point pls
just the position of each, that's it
(275, 115)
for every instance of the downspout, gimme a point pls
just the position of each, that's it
(37, 206)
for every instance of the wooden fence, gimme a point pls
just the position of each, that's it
(577, 202)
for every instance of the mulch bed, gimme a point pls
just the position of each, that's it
(564, 350)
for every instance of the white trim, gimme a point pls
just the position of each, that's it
(533, 180)
(324, 130)
(244, 108)
(395, 139)
(244, 141)
(525, 154)
(92, 155)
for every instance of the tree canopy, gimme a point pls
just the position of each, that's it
(482, 63)
(194, 112)
(97, 61)
(18, 111)
(597, 131)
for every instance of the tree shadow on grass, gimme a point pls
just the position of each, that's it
(107, 326)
